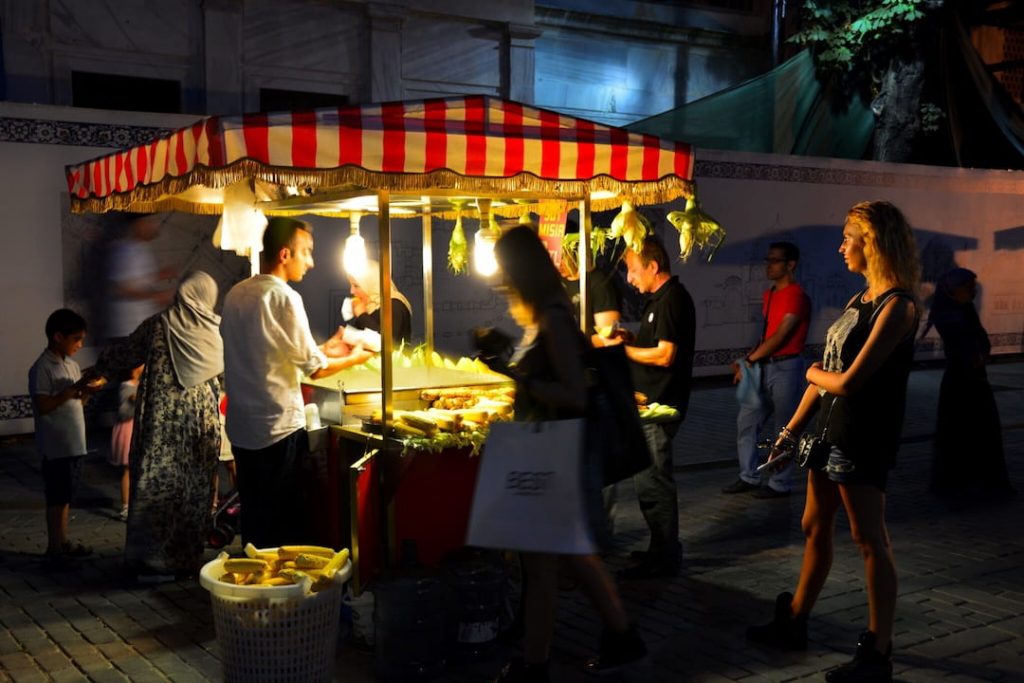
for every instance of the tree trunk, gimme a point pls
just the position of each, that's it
(897, 108)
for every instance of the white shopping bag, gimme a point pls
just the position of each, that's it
(529, 491)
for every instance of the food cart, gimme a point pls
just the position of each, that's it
(421, 159)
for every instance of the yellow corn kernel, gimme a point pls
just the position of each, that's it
(336, 563)
(245, 565)
(305, 561)
(275, 581)
(253, 553)
(290, 552)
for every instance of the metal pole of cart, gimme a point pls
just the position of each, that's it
(386, 370)
(428, 282)
(582, 253)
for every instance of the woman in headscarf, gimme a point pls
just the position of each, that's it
(176, 439)
(362, 309)
(968, 419)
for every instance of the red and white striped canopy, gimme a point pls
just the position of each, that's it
(477, 145)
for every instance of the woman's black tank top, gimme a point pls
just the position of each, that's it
(868, 423)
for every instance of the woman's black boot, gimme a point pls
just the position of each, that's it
(784, 631)
(867, 666)
(519, 671)
(617, 651)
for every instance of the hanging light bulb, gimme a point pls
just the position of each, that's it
(483, 243)
(354, 256)
(483, 248)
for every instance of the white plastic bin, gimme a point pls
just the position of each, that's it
(275, 633)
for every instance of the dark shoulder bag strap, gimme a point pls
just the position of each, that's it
(886, 298)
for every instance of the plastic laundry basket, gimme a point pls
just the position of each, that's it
(275, 633)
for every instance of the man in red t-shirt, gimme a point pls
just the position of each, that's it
(787, 312)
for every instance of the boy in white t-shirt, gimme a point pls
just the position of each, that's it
(57, 388)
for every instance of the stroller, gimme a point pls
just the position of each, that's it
(224, 521)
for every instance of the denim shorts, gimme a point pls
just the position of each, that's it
(60, 479)
(843, 470)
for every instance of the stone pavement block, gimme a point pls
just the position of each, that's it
(100, 634)
(922, 584)
(137, 668)
(39, 647)
(1014, 626)
(17, 620)
(31, 677)
(17, 662)
(981, 600)
(200, 660)
(72, 675)
(70, 640)
(957, 677)
(117, 651)
(8, 644)
(707, 677)
(53, 661)
(958, 643)
(146, 645)
(841, 603)
(173, 667)
(107, 674)
(123, 625)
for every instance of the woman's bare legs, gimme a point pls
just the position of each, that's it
(125, 486)
(539, 606)
(865, 506)
(819, 525)
(597, 584)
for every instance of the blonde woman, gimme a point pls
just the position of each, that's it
(859, 393)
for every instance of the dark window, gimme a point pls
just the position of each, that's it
(125, 93)
(737, 5)
(272, 99)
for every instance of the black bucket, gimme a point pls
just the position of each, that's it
(409, 625)
(476, 581)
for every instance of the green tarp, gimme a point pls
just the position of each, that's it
(785, 111)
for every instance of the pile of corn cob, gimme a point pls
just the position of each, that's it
(288, 565)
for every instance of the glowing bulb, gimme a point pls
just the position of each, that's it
(483, 253)
(354, 256)
(483, 248)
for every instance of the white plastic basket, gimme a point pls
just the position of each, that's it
(275, 633)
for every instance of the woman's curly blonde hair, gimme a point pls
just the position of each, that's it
(890, 247)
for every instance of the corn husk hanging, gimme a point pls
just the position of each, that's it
(631, 226)
(696, 230)
(458, 248)
(570, 246)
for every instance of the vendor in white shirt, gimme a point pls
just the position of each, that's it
(268, 346)
(362, 310)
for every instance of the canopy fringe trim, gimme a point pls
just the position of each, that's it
(160, 196)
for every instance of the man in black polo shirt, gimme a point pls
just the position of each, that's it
(662, 365)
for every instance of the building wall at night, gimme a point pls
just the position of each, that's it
(610, 60)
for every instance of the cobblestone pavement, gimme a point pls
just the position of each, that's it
(959, 614)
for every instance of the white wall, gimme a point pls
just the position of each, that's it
(33, 191)
(959, 217)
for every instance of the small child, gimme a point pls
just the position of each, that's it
(57, 388)
(121, 436)
(227, 458)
